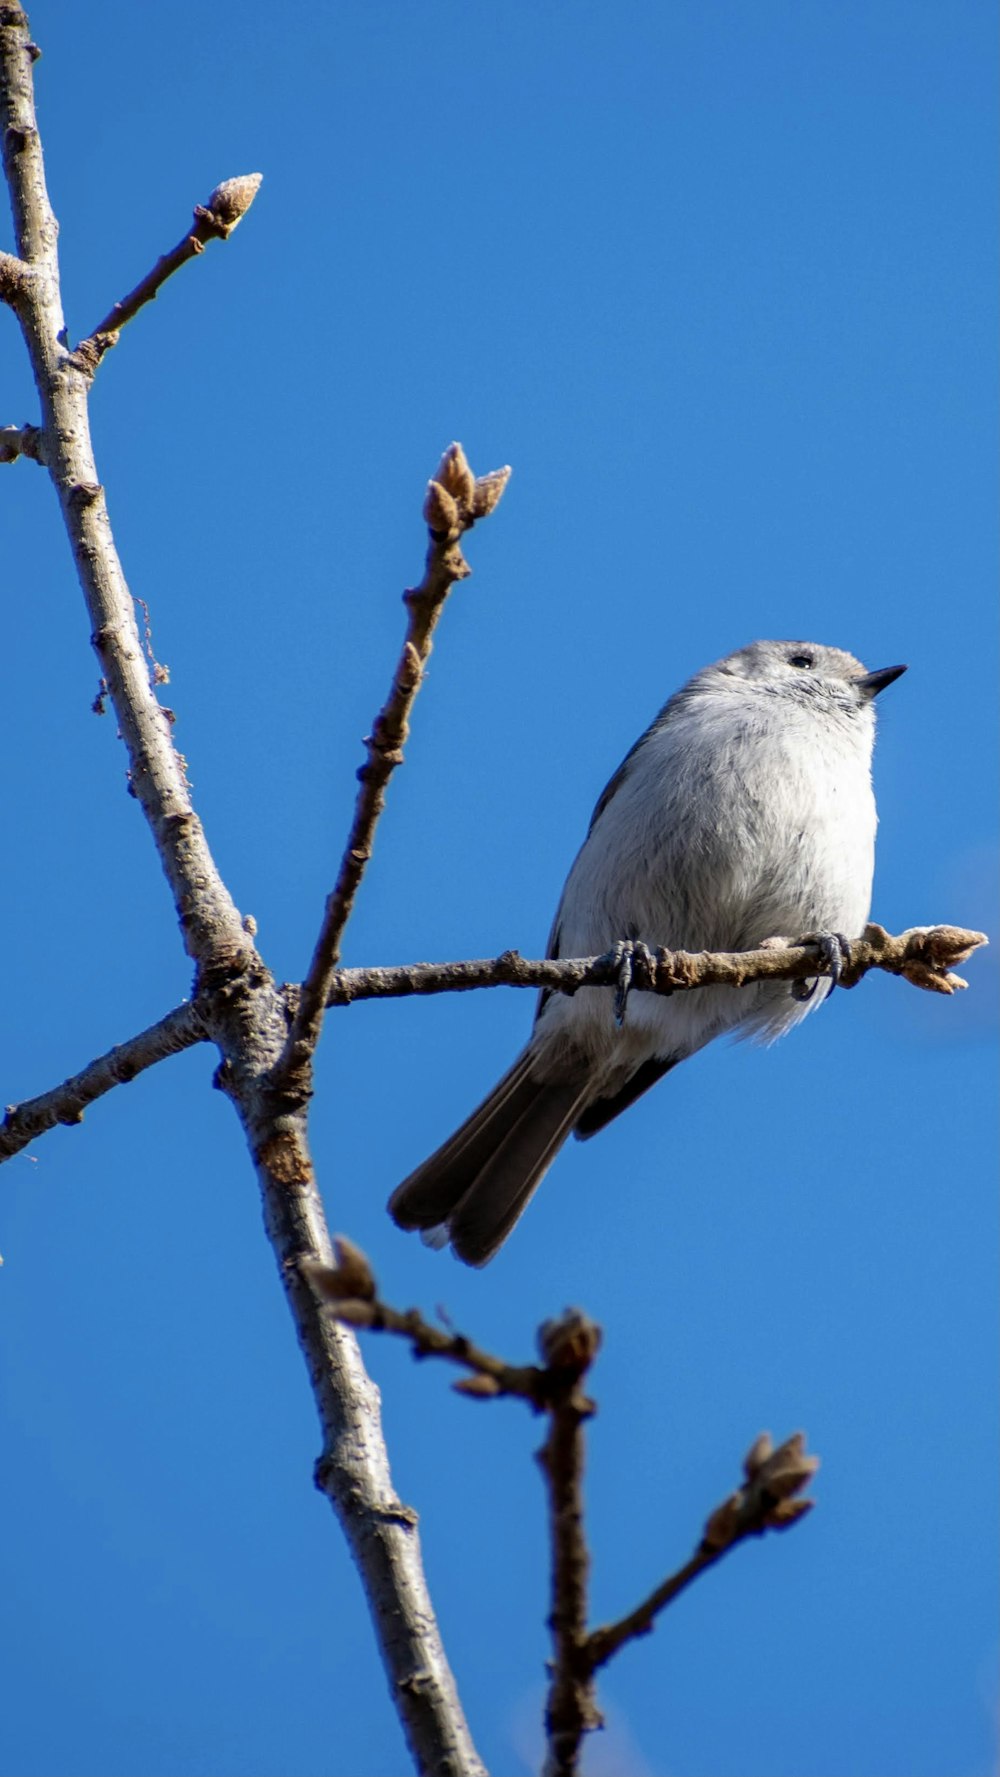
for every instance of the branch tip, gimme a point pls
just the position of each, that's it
(569, 1344)
(489, 491)
(766, 1501)
(455, 476)
(447, 514)
(231, 200)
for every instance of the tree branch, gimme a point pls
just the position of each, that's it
(765, 1502)
(180, 1029)
(213, 221)
(21, 441)
(568, 1346)
(209, 921)
(247, 1012)
(924, 956)
(454, 502)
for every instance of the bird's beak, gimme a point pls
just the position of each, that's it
(870, 684)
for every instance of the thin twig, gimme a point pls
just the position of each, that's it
(766, 1501)
(66, 1103)
(455, 500)
(348, 1288)
(924, 956)
(212, 221)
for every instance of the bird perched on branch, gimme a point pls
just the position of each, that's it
(744, 812)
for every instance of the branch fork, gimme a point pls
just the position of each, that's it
(568, 1345)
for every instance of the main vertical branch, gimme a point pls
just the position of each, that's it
(249, 1016)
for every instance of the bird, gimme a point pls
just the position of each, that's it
(744, 812)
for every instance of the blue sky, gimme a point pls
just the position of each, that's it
(718, 282)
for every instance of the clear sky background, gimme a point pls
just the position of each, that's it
(718, 281)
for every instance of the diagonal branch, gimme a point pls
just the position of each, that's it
(454, 502)
(209, 920)
(765, 1502)
(349, 1289)
(213, 221)
(66, 1103)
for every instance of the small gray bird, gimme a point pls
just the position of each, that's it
(745, 812)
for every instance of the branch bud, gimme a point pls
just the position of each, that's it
(440, 510)
(788, 1512)
(757, 1455)
(489, 491)
(454, 474)
(570, 1343)
(351, 1277)
(357, 1314)
(231, 200)
(786, 1470)
(479, 1387)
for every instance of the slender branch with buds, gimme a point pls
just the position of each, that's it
(455, 500)
(212, 221)
(568, 1346)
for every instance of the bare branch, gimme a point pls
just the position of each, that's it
(924, 956)
(568, 1346)
(209, 921)
(213, 221)
(349, 1292)
(247, 1011)
(764, 1502)
(180, 1029)
(21, 441)
(454, 502)
(571, 1706)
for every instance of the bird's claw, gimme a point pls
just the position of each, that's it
(835, 951)
(625, 954)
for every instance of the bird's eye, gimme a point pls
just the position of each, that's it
(804, 660)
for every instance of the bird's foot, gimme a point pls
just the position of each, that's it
(626, 953)
(835, 951)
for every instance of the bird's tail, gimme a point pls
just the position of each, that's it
(477, 1185)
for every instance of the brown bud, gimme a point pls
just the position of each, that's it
(788, 1469)
(454, 474)
(788, 1512)
(757, 1454)
(357, 1314)
(231, 200)
(351, 1277)
(570, 1343)
(489, 491)
(723, 1525)
(479, 1387)
(353, 1269)
(440, 510)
